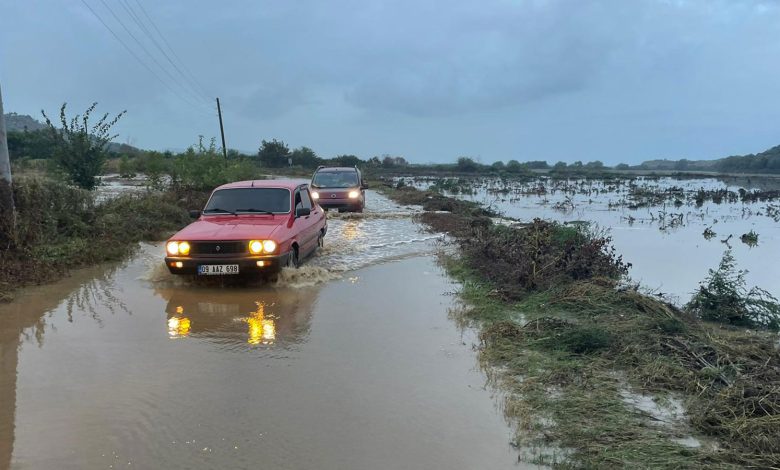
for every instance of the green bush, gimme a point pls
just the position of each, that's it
(59, 227)
(127, 168)
(79, 147)
(202, 168)
(723, 297)
(47, 210)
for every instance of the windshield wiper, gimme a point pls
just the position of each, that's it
(217, 209)
(252, 209)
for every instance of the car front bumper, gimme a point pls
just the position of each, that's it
(259, 264)
(340, 203)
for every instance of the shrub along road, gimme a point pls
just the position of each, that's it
(60, 227)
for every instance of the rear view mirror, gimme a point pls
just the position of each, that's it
(194, 214)
(302, 212)
(364, 185)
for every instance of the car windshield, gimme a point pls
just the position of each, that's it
(335, 179)
(249, 200)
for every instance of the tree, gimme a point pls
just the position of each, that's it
(595, 165)
(467, 164)
(560, 166)
(80, 150)
(393, 162)
(30, 144)
(513, 166)
(622, 166)
(305, 157)
(537, 165)
(346, 160)
(498, 166)
(233, 154)
(273, 154)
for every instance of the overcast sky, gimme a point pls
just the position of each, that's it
(619, 81)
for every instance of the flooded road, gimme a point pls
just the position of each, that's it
(127, 367)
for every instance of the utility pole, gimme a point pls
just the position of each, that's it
(7, 214)
(5, 162)
(222, 130)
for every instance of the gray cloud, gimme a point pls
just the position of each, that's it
(497, 79)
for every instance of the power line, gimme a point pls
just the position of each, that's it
(154, 59)
(132, 52)
(170, 48)
(139, 22)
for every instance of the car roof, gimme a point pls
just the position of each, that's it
(282, 184)
(337, 169)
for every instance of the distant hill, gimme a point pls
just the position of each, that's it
(22, 122)
(25, 123)
(767, 161)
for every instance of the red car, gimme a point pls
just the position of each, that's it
(249, 227)
(339, 188)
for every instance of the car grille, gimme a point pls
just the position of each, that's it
(217, 248)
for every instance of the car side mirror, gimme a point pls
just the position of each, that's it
(364, 185)
(194, 214)
(302, 212)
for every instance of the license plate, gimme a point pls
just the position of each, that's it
(217, 269)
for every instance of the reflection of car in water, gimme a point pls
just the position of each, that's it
(249, 227)
(238, 316)
(339, 188)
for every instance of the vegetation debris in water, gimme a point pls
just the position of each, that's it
(750, 238)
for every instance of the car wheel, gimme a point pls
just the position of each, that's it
(292, 260)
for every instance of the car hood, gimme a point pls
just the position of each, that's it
(241, 227)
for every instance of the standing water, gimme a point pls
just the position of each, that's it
(672, 231)
(125, 366)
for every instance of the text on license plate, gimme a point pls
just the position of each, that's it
(217, 269)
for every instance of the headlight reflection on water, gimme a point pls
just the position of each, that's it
(179, 327)
(351, 230)
(262, 330)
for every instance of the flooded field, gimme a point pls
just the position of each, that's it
(351, 362)
(672, 231)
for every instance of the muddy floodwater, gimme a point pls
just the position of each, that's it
(657, 224)
(350, 363)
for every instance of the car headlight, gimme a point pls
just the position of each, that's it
(255, 247)
(269, 246)
(354, 194)
(315, 195)
(178, 248)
